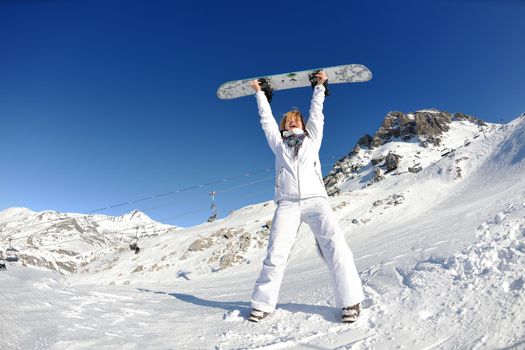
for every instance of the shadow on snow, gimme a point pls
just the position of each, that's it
(327, 312)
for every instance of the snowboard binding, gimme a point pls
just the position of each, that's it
(313, 80)
(266, 88)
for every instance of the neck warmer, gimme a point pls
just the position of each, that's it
(293, 139)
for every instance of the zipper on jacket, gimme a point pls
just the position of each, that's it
(278, 177)
(317, 173)
(298, 179)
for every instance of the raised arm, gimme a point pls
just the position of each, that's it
(268, 123)
(315, 123)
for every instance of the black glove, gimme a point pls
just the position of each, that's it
(313, 81)
(266, 88)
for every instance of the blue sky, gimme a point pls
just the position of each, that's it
(107, 102)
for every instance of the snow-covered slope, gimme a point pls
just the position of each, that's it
(65, 241)
(446, 243)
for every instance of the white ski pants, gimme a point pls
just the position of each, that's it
(318, 214)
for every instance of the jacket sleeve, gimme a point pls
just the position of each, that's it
(315, 123)
(269, 125)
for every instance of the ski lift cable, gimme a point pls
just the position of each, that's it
(153, 224)
(148, 209)
(139, 226)
(146, 229)
(245, 174)
(246, 184)
(189, 188)
(153, 208)
(109, 218)
(258, 192)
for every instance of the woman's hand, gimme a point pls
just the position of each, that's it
(321, 77)
(255, 85)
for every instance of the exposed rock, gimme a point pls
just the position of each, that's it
(64, 267)
(333, 191)
(458, 173)
(139, 268)
(395, 199)
(228, 245)
(261, 237)
(340, 206)
(416, 168)
(423, 124)
(377, 203)
(378, 141)
(392, 161)
(228, 234)
(365, 141)
(229, 260)
(377, 176)
(68, 224)
(461, 116)
(376, 161)
(64, 252)
(233, 251)
(201, 244)
(432, 123)
(392, 200)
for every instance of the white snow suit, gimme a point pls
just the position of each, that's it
(301, 196)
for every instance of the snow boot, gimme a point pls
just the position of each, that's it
(257, 315)
(350, 313)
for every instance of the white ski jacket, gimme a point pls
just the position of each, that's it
(300, 177)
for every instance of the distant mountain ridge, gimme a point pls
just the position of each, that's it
(64, 242)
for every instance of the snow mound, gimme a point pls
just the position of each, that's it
(499, 254)
(472, 291)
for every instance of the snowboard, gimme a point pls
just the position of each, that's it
(348, 73)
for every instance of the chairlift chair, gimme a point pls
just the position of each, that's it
(11, 255)
(213, 217)
(213, 207)
(134, 246)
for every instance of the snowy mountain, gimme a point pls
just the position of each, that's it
(404, 142)
(436, 143)
(64, 242)
(437, 229)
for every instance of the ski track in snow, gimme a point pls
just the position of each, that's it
(439, 274)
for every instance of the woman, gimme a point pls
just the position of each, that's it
(301, 196)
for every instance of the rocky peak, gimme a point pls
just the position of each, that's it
(424, 128)
(427, 125)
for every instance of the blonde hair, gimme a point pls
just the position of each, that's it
(294, 114)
